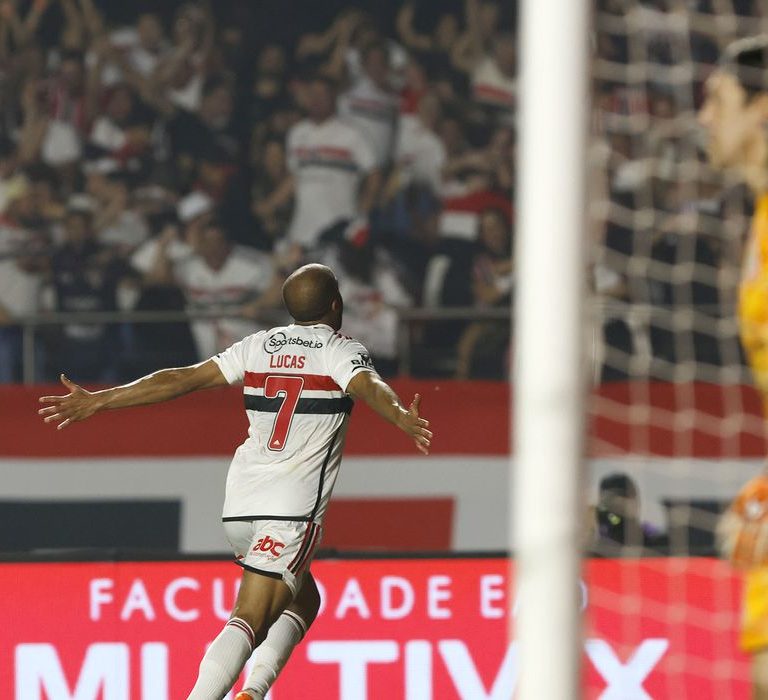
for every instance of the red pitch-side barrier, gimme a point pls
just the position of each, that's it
(418, 629)
(674, 420)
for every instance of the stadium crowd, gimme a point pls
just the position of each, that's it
(171, 156)
(174, 156)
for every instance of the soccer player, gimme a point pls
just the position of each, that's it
(735, 115)
(299, 382)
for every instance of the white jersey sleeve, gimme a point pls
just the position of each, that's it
(346, 359)
(292, 141)
(365, 159)
(233, 361)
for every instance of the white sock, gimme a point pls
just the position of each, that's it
(272, 654)
(223, 661)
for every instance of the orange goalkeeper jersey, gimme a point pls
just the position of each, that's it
(753, 328)
(753, 297)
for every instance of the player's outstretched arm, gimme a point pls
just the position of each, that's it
(163, 385)
(381, 398)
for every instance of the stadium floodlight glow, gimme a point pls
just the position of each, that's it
(548, 376)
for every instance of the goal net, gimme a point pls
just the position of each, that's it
(676, 427)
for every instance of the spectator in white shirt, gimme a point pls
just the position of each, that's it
(155, 261)
(415, 182)
(117, 221)
(493, 78)
(419, 154)
(366, 33)
(229, 279)
(22, 262)
(483, 18)
(332, 170)
(150, 46)
(340, 47)
(173, 245)
(488, 57)
(372, 289)
(271, 171)
(181, 71)
(483, 346)
(371, 106)
(119, 134)
(132, 51)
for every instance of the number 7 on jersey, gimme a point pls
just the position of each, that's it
(289, 389)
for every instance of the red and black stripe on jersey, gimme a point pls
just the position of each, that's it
(312, 405)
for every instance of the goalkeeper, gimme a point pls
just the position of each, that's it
(735, 116)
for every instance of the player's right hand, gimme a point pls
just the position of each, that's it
(416, 426)
(77, 405)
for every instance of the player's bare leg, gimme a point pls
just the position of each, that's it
(289, 629)
(259, 603)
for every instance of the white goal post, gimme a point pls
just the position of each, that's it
(548, 378)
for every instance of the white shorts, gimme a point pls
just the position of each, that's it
(280, 549)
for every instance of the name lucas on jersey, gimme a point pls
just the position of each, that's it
(287, 361)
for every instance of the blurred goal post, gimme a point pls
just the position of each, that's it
(674, 407)
(548, 378)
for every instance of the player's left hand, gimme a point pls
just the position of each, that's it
(416, 427)
(77, 405)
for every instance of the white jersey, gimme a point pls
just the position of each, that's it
(245, 275)
(295, 380)
(373, 112)
(491, 87)
(420, 154)
(329, 161)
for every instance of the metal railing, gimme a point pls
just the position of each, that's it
(407, 319)
(716, 320)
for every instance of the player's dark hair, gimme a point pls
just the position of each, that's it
(747, 60)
